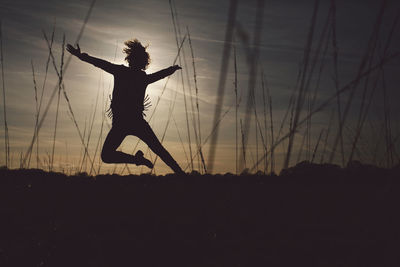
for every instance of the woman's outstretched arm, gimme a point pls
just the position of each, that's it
(151, 78)
(100, 63)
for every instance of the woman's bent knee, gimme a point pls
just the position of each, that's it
(106, 156)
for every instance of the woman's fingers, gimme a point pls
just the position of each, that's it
(70, 48)
(73, 50)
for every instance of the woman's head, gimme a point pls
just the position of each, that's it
(136, 54)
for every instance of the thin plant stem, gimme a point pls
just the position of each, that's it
(56, 87)
(183, 86)
(60, 80)
(6, 136)
(197, 102)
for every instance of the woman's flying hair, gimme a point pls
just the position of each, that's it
(136, 54)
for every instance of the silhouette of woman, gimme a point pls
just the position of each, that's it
(127, 104)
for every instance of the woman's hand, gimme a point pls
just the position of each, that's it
(74, 51)
(177, 67)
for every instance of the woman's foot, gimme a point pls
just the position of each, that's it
(140, 160)
(177, 169)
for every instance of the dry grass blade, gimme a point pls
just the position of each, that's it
(265, 121)
(6, 136)
(258, 131)
(41, 99)
(363, 65)
(316, 146)
(60, 81)
(92, 119)
(211, 133)
(37, 114)
(322, 45)
(175, 24)
(46, 110)
(302, 88)
(180, 139)
(336, 76)
(272, 130)
(327, 136)
(171, 109)
(253, 66)
(243, 144)
(363, 112)
(222, 79)
(186, 70)
(103, 116)
(329, 100)
(236, 109)
(59, 73)
(197, 102)
(387, 120)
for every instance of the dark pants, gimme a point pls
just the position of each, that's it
(141, 129)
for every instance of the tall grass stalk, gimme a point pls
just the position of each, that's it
(362, 67)
(329, 100)
(236, 108)
(327, 136)
(180, 139)
(316, 146)
(243, 144)
(183, 85)
(265, 121)
(36, 115)
(256, 125)
(60, 81)
(321, 68)
(212, 132)
(66, 98)
(93, 117)
(335, 55)
(99, 139)
(364, 106)
(56, 87)
(387, 120)
(258, 131)
(197, 102)
(271, 123)
(302, 143)
(221, 82)
(186, 70)
(253, 66)
(171, 109)
(43, 89)
(363, 112)
(311, 96)
(6, 136)
(302, 88)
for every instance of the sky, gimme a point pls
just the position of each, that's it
(284, 31)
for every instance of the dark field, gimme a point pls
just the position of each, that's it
(312, 215)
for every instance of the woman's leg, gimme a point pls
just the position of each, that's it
(148, 136)
(109, 153)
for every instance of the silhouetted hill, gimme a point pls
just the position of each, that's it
(310, 215)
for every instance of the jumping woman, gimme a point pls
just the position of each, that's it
(128, 104)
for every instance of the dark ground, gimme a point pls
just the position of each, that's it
(311, 215)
